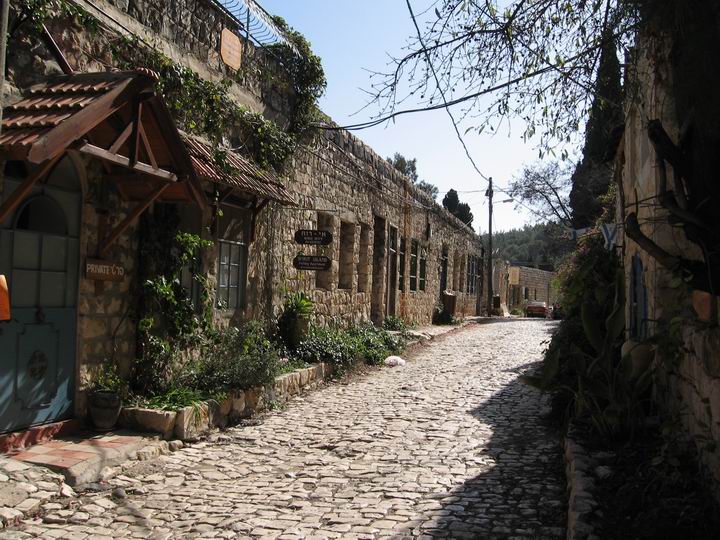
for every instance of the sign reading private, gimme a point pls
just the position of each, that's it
(312, 262)
(103, 270)
(311, 237)
(230, 49)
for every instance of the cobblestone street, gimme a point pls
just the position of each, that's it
(450, 445)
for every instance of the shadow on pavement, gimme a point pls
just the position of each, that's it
(521, 494)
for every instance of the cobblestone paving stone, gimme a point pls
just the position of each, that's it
(449, 446)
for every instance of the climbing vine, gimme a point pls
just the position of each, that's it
(205, 107)
(32, 14)
(306, 76)
(170, 319)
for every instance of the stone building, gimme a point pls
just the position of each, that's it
(89, 151)
(671, 315)
(527, 284)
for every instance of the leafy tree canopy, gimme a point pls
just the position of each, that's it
(543, 245)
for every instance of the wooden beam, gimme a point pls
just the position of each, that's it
(129, 220)
(253, 220)
(59, 138)
(17, 196)
(55, 51)
(146, 144)
(121, 138)
(134, 147)
(224, 195)
(122, 161)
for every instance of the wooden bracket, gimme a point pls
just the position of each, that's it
(255, 212)
(17, 196)
(122, 161)
(129, 220)
(55, 51)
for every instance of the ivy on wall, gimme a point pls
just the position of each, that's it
(305, 74)
(32, 14)
(205, 107)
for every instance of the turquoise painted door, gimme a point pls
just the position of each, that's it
(39, 255)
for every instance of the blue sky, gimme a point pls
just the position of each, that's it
(353, 36)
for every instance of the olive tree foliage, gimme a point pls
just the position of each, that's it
(498, 60)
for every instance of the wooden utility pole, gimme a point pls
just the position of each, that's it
(489, 195)
(4, 16)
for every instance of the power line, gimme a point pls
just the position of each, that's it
(442, 92)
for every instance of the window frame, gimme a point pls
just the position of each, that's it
(422, 270)
(414, 248)
(240, 272)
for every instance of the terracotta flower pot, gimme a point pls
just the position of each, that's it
(104, 408)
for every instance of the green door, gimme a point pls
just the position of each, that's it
(39, 255)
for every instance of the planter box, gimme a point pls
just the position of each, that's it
(156, 421)
(191, 423)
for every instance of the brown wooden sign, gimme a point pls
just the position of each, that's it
(231, 49)
(103, 270)
(312, 262)
(313, 238)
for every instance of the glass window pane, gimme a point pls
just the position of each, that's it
(234, 253)
(52, 289)
(234, 271)
(232, 300)
(54, 253)
(26, 250)
(23, 288)
(224, 253)
(223, 276)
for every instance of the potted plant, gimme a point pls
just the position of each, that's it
(105, 397)
(294, 322)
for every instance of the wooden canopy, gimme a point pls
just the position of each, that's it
(112, 116)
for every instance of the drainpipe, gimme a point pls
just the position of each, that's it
(3, 46)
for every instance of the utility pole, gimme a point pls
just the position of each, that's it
(489, 195)
(4, 15)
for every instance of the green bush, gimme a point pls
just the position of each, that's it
(233, 359)
(341, 347)
(375, 344)
(583, 368)
(395, 324)
(292, 324)
(331, 345)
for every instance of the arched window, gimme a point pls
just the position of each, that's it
(41, 214)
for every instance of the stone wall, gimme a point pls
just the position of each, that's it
(688, 373)
(530, 284)
(342, 181)
(338, 181)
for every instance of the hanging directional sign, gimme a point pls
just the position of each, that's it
(312, 262)
(313, 238)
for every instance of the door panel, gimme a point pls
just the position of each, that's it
(39, 255)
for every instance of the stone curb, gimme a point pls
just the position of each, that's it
(580, 484)
(193, 422)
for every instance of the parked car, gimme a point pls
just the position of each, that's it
(536, 309)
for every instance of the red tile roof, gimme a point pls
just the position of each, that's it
(244, 176)
(48, 104)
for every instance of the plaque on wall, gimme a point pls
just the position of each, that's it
(313, 238)
(312, 262)
(231, 49)
(103, 270)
